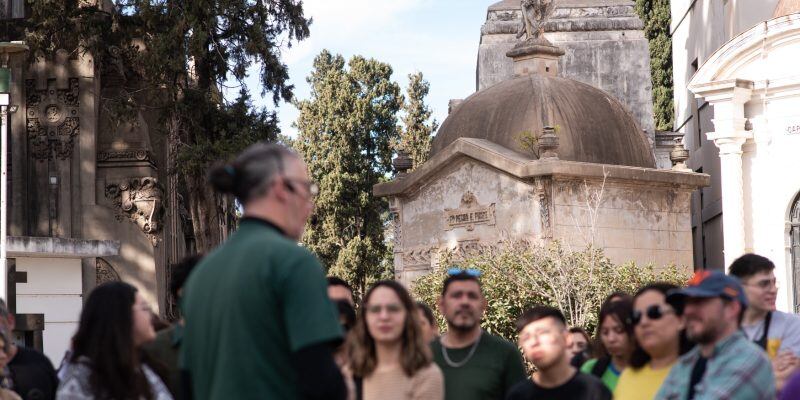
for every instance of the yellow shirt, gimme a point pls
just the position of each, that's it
(641, 384)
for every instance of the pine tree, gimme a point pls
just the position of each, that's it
(346, 130)
(416, 137)
(171, 58)
(656, 17)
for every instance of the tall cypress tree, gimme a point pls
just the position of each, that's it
(417, 133)
(656, 17)
(346, 130)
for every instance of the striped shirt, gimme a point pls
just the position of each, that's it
(736, 370)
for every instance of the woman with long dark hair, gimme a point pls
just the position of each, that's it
(614, 341)
(660, 340)
(107, 358)
(389, 356)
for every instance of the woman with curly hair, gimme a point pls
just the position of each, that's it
(389, 358)
(107, 361)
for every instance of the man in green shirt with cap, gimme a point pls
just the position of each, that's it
(259, 324)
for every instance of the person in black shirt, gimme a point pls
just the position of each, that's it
(32, 374)
(545, 340)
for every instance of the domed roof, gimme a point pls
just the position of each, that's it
(786, 7)
(590, 124)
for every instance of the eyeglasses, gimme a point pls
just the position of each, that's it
(653, 313)
(311, 188)
(390, 308)
(458, 271)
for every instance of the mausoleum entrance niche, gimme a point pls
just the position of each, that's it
(794, 232)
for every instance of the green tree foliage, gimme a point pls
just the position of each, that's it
(346, 130)
(517, 275)
(171, 58)
(417, 134)
(656, 17)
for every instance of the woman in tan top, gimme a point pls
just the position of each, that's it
(388, 354)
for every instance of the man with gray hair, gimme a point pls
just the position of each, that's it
(31, 373)
(259, 324)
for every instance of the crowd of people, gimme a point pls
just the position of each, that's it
(261, 320)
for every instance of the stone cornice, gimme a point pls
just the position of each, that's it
(523, 167)
(27, 246)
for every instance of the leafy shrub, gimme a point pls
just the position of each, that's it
(518, 274)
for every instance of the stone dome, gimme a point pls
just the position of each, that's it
(591, 125)
(786, 7)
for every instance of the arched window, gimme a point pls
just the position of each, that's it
(794, 233)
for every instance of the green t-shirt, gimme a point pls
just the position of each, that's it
(494, 368)
(610, 375)
(248, 306)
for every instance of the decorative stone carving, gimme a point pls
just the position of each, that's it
(125, 155)
(469, 214)
(52, 119)
(105, 272)
(394, 216)
(141, 201)
(417, 258)
(543, 192)
(535, 14)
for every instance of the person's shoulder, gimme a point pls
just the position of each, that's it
(498, 342)
(27, 355)
(429, 373)
(521, 390)
(588, 365)
(742, 349)
(588, 379)
(791, 321)
(591, 384)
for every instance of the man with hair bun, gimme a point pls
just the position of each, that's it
(259, 324)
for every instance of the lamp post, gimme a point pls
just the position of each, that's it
(6, 49)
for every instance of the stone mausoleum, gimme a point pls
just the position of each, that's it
(541, 157)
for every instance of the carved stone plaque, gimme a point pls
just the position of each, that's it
(52, 119)
(469, 214)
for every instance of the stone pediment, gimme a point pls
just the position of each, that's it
(523, 167)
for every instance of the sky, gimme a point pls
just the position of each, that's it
(436, 37)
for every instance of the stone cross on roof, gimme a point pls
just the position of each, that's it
(534, 15)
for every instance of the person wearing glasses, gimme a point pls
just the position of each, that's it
(107, 360)
(389, 357)
(545, 340)
(724, 364)
(776, 332)
(476, 365)
(259, 323)
(660, 340)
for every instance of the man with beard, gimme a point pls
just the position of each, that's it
(476, 365)
(724, 364)
(545, 340)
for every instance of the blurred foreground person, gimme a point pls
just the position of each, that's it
(581, 346)
(5, 383)
(427, 322)
(660, 340)
(166, 347)
(31, 373)
(545, 340)
(476, 364)
(615, 341)
(259, 324)
(723, 364)
(389, 356)
(106, 360)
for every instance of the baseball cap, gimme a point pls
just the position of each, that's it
(708, 284)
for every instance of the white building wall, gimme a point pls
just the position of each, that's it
(54, 289)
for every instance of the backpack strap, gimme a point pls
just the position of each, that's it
(359, 383)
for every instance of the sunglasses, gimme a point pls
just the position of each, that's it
(654, 312)
(459, 271)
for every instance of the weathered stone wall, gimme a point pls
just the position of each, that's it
(631, 222)
(424, 227)
(604, 43)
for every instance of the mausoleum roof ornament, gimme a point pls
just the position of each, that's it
(589, 124)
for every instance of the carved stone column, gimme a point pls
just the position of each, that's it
(728, 99)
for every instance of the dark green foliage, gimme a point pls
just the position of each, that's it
(656, 17)
(346, 131)
(417, 135)
(171, 58)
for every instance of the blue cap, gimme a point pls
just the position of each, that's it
(709, 284)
